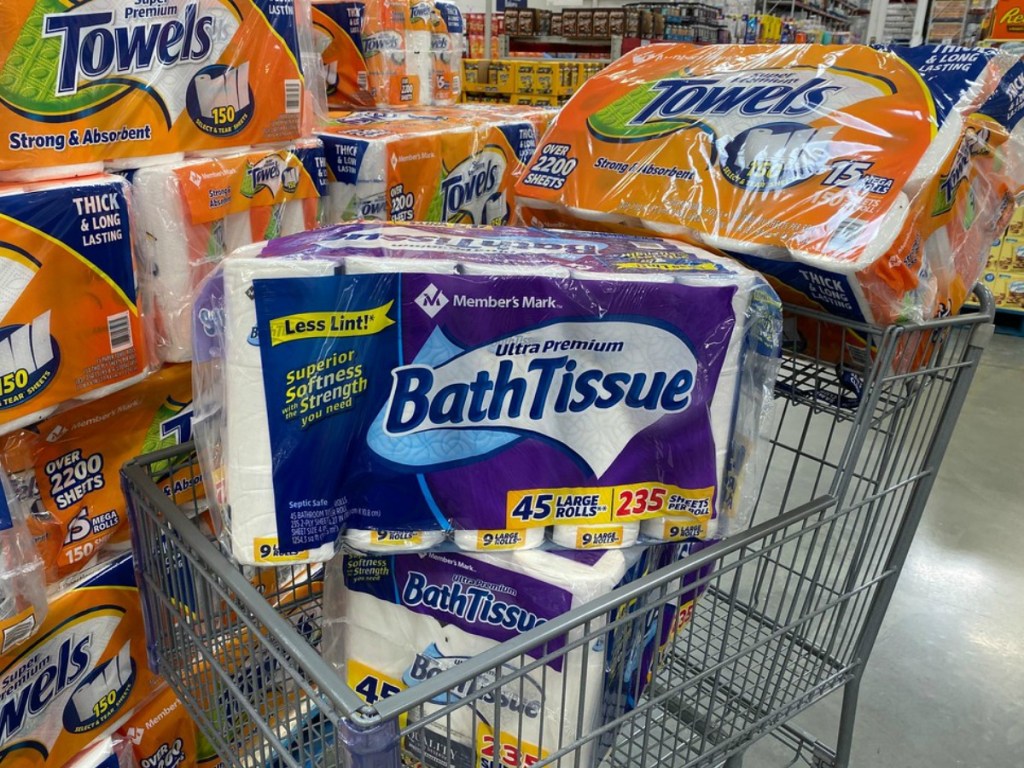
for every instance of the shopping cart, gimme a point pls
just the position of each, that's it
(789, 609)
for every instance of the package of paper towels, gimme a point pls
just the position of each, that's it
(191, 213)
(438, 164)
(426, 379)
(856, 179)
(70, 327)
(85, 82)
(391, 623)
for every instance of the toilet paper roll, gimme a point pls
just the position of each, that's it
(612, 535)
(381, 633)
(247, 460)
(723, 415)
(391, 542)
(24, 175)
(388, 541)
(500, 540)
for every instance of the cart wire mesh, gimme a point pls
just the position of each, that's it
(747, 632)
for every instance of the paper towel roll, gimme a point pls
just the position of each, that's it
(129, 163)
(166, 259)
(237, 231)
(419, 65)
(220, 151)
(48, 174)
(247, 461)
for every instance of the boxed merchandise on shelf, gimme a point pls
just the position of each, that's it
(689, 413)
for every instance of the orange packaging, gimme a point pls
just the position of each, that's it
(192, 213)
(437, 164)
(81, 675)
(84, 82)
(69, 319)
(338, 30)
(810, 163)
(163, 735)
(68, 466)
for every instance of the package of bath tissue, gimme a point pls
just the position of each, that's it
(66, 468)
(366, 392)
(82, 674)
(191, 213)
(440, 164)
(829, 168)
(85, 82)
(70, 327)
(393, 622)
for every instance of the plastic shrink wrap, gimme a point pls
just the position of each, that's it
(87, 82)
(862, 182)
(409, 385)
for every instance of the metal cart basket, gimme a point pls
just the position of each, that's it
(788, 610)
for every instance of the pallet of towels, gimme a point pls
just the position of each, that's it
(415, 387)
(440, 164)
(866, 183)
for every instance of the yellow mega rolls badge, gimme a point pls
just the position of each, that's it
(322, 325)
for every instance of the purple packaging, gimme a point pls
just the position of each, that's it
(451, 379)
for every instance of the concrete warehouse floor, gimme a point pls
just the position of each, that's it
(945, 685)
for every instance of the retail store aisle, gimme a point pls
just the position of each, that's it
(943, 687)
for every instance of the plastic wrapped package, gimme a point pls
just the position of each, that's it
(384, 628)
(338, 28)
(70, 327)
(66, 468)
(191, 213)
(200, 75)
(447, 46)
(345, 380)
(419, 60)
(433, 164)
(161, 733)
(84, 671)
(109, 752)
(858, 180)
(22, 586)
(393, 622)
